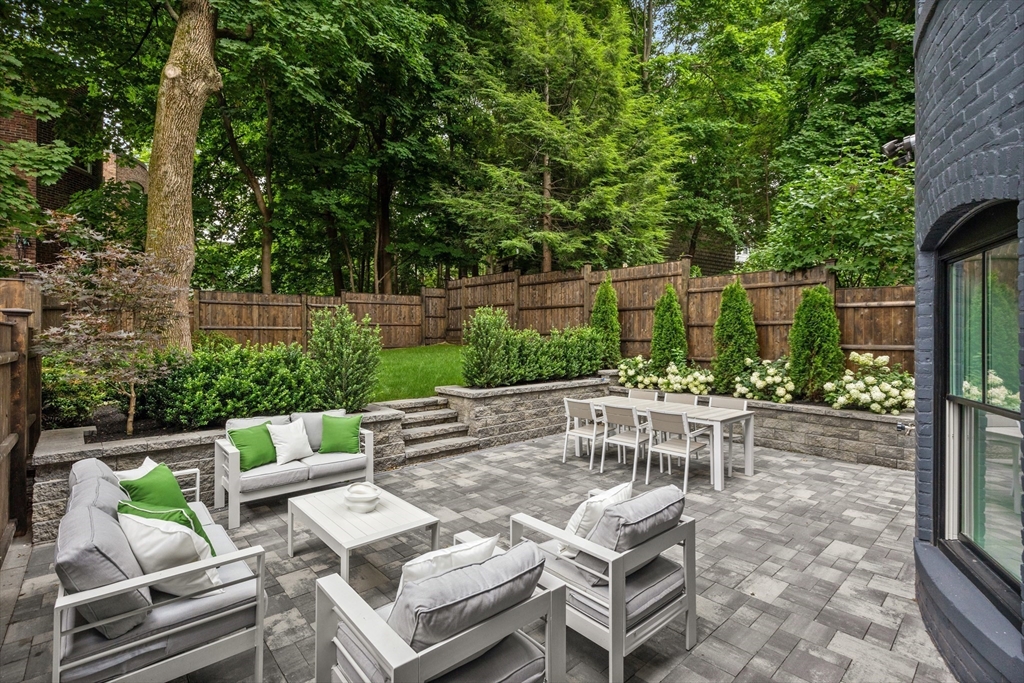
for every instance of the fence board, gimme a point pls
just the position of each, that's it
(879, 320)
(7, 439)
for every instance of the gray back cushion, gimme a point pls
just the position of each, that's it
(432, 610)
(315, 425)
(91, 552)
(90, 468)
(630, 523)
(97, 493)
(245, 422)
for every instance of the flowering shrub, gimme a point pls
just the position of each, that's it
(765, 381)
(998, 393)
(693, 380)
(874, 386)
(635, 373)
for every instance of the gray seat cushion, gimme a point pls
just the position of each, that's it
(273, 474)
(244, 422)
(314, 423)
(90, 468)
(515, 659)
(429, 611)
(165, 616)
(91, 552)
(647, 590)
(327, 464)
(98, 493)
(630, 523)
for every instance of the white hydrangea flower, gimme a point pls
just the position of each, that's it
(875, 408)
(881, 361)
(781, 391)
(829, 386)
(870, 379)
(792, 387)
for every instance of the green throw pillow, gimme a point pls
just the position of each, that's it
(341, 434)
(159, 487)
(185, 516)
(254, 446)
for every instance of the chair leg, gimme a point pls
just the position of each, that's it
(648, 479)
(636, 456)
(686, 473)
(565, 445)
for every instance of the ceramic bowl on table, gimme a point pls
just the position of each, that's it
(362, 497)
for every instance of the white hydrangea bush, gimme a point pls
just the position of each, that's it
(765, 380)
(873, 386)
(685, 379)
(998, 393)
(635, 373)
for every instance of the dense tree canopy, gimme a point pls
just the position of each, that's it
(387, 144)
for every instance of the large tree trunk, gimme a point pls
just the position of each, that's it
(186, 82)
(382, 257)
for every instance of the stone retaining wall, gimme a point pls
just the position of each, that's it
(59, 449)
(510, 414)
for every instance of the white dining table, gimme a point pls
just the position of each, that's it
(719, 420)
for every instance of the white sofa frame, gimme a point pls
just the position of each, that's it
(185, 662)
(613, 636)
(338, 602)
(227, 479)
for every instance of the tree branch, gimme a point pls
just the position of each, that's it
(170, 10)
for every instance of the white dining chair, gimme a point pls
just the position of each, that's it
(643, 394)
(629, 432)
(683, 398)
(672, 436)
(582, 422)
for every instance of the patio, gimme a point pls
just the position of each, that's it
(805, 570)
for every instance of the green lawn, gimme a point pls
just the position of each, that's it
(414, 372)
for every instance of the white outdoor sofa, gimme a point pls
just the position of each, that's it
(267, 481)
(643, 590)
(114, 627)
(358, 644)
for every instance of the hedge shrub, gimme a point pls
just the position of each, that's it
(814, 347)
(496, 355)
(69, 395)
(604, 318)
(345, 359)
(668, 340)
(735, 338)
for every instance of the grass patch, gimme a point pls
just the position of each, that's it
(415, 371)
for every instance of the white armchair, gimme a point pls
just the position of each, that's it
(472, 654)
(642, 592)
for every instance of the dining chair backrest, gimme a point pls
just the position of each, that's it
(582, 410)
(621, 417)
(729, 402)
(671, 423)
(685, 399)
(643, 394)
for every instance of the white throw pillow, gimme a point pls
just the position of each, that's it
(438, 562)
(160, 544)
(147, 465)
(290, 441)
(590, 510)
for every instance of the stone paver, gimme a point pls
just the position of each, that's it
(804, 571)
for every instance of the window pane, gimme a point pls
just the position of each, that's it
(965, 302)
(990, 485)
(1003, 343)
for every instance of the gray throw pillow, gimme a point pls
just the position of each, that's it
(90, 468)
(314, 423)
(97, 493)
(91, 552)
(432, 610)
(630, 523)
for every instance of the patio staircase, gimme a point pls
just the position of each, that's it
(432, 430)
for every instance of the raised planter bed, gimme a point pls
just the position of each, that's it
(509, 414)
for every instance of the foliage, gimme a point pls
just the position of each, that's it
(117, 211)
(857, 211)
(212, 341)
(345, 358)
(874, 386)
(696, 272)
(998, 393)
(118, 303)
(414, 372)
(765, 381)
(212, 385)
(604, 318)
(669, 335)
(69, 394)
(735, 336)
(497, 355)
(681, 378)
(636, 373)
(814, 342)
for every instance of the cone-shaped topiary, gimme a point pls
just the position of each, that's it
(605, 319)
(735, 338)
(815, 353)
(668, 340)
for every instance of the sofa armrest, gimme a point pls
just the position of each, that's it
(366, 436)
(193, 472)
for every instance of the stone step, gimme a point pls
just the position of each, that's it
(414, 435)
(425, 418)
(441, 448)
(416, 405)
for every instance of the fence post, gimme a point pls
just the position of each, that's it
(515, 301)
(20, 418)
(304, 319)
(423, 316)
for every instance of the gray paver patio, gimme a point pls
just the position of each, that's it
(805, 571)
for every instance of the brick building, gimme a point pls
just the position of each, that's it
(970, 319)
(715, 253)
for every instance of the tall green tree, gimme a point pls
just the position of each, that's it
(668, 336)
(735, 337)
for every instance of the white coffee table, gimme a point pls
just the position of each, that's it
(326, 514)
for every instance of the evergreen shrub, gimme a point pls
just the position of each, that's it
(735, 338)
(814, 347)
(604, 318)
(345, 358)
(668, 340)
